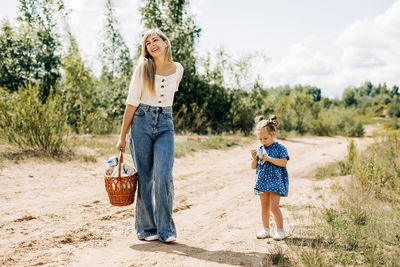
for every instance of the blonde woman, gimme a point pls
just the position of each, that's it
(149, 114)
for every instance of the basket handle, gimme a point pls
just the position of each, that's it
(121, 159)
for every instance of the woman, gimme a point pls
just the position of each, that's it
(149, 113)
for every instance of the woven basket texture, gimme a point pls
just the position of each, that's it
(121, 190)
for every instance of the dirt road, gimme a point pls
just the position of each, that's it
(58, 213)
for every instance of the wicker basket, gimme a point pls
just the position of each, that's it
(121, 190)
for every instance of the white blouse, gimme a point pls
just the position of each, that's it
(165, 87)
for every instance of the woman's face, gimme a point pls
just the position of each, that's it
(155, 45)
(266, 138)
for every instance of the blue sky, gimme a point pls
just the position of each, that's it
(327, 43)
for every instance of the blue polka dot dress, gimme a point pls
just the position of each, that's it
(269, 177)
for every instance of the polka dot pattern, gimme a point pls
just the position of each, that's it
(269, 177)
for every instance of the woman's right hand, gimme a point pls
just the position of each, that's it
(121, 145)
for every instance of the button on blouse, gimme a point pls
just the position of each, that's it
(165, 88)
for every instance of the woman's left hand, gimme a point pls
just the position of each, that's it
(121, 145)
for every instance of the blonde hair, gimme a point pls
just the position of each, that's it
(147, 67)
(268, 125)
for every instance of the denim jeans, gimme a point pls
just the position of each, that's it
(152, 150)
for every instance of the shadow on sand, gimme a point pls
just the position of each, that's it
(218, 256)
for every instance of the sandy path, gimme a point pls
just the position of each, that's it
(58, 213)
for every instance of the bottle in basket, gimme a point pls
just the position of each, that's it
(111, 164)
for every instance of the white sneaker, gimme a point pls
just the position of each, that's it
(279, 235)
(263, 234)
(151, 238)
(170, 239)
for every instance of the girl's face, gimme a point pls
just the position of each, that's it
(155, 45)
(266, 138)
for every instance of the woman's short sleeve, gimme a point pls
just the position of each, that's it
(180, 74)
(135, 89)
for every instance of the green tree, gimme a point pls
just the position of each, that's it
(116, 68)
(349, 97)
(78, 90)
(40, 16)
(300, 103)
(284, 113)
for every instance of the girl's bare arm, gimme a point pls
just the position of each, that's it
(278, 162)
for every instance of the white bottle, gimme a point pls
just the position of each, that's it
(111, 164)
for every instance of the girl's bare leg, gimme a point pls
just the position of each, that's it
(276, 211)
(265, 204)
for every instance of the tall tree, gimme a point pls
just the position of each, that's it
(78, 89)
(40, 16)
(116, 65)
(30, 51)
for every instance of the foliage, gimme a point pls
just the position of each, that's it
(116, 69)
(31, 124)
(78, 90)
(218, 92)
(363, 230)
(368, 95)
(394, 108)
(379, 169)
(30, 51)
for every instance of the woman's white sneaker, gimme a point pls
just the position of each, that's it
(170, 239)
(151, 238)
(263, 234)
(279, 235)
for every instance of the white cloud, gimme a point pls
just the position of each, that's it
(369, 49)
(304, 64)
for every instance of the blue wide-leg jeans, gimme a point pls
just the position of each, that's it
(152, 150)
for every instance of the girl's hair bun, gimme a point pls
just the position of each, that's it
(274, 120)
(258, 119)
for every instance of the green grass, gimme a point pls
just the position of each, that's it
(194, 144)
(297, 207)
(277, 257)
(98, 145)
(88, 158)
(89, 148)
(333, 169)
(363, 228)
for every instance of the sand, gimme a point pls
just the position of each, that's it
(56, 213)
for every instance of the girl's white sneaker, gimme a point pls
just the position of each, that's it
(279, 235)
(263, 234)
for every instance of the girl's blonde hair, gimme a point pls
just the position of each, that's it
(268, 125)
(147, 67)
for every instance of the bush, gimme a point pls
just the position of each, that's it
(29, 122)
(380, 168)
(394, 109)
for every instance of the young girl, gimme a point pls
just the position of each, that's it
(272, 179)
(149, 115)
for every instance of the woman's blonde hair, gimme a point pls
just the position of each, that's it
(268, 125)
(147, 67)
